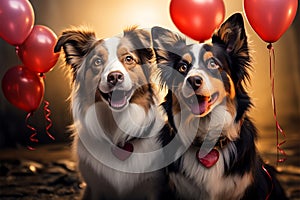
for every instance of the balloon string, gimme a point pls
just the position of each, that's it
(270, 177)
(280, 150)
(47, 113)
(34, 132)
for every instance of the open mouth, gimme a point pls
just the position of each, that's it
(117, 99)
(200, 104)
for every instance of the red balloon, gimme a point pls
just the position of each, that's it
(270, 18)
(23, 88)
(17, 19)
(37, 51)
(197, 19)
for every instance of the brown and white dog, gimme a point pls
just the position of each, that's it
(116, 118)
(207, 106)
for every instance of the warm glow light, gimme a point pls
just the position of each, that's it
(109, 17)
(219, 18)
(32, 168)
(143, 14)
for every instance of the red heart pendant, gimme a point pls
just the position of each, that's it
(122, 153)
(210, 159)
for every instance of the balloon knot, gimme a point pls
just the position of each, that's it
(17, 49)
(270, 46)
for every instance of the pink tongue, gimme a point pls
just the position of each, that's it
(118, 103)
(199, 107)
(118, 100)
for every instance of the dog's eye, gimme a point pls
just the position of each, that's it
(129, 60)
(212, 64)
(98, 61)
(183, 68)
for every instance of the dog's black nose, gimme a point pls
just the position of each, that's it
(115, 78)
(195, 82)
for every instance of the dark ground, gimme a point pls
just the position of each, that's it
(49, 172)
(45, 173)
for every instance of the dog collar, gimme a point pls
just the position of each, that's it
(221, 143)
(212, 157)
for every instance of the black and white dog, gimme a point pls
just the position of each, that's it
(116, 117)
(207, 106)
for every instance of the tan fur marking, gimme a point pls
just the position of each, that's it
(142, 97)
(207, 55)
(187, 57)
(231, 107)
(232, 89)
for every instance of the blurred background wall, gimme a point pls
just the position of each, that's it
(108, 18)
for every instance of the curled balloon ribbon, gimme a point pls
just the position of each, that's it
(281, 155)
(47, 113)
(32, 137)
(271, 180)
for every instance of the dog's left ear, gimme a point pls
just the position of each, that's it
(232, 37)
(232, 34)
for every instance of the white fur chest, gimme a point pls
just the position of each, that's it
(93, 144)
(208, 183)
(193, 178)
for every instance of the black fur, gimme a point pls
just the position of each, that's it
(231, 49)
(238, 59)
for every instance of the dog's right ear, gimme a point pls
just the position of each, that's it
(168, 47)
(76, 44)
